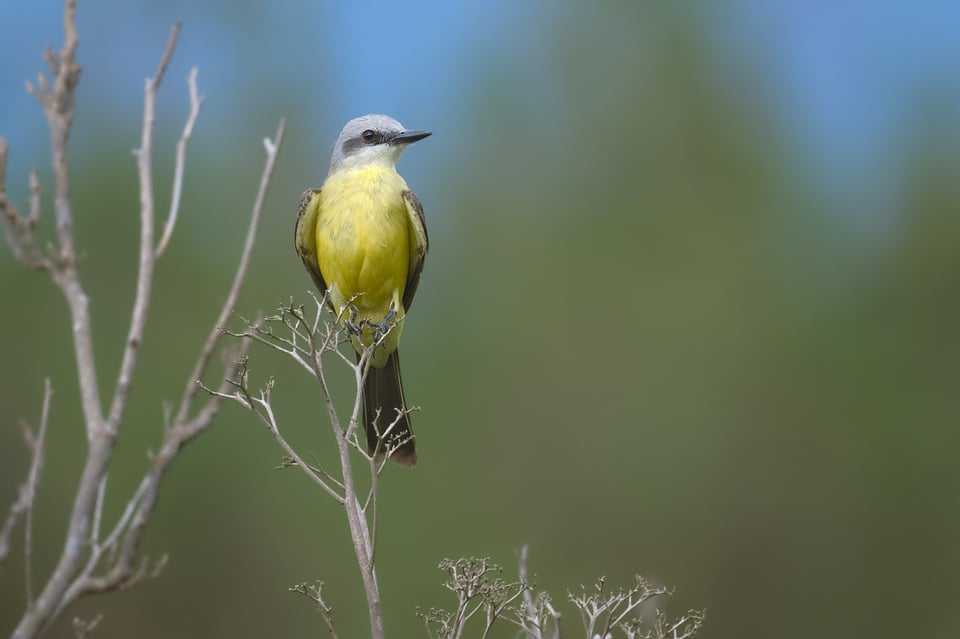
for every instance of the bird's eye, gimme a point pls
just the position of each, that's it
(369, 136)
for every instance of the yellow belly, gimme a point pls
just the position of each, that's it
(363, 249)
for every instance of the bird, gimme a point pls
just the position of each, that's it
(362, 237)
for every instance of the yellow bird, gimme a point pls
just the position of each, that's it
(362, 237)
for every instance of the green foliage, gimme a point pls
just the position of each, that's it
(644, 337)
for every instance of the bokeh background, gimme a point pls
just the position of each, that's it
(691, 307)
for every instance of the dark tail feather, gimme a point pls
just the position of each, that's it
(383, 392)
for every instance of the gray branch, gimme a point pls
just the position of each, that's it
(84, 551)
(23, 507)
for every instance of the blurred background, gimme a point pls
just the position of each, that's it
(691, 307)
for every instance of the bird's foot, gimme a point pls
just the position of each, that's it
(383, 326)
(353, 327)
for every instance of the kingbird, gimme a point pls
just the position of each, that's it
(362, 237)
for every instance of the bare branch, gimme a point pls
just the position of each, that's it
(58, 104)
(195, 103)
(100, 433)
(23, 507)
(478, 588)
(260, 406)
(83, 551)
(167, 55)
(308, 342)
(535, 613)
(99, 549)
(270, 420)
(683, 628)
(363, 541)
(32, 480)
(123, 571)
(34, 216)
(83, 628)
(17, 229)
(272, 148)
(318, 468)
(57, 101)
(141, 301)
(315, 593)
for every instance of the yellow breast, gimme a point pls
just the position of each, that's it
(363, 241)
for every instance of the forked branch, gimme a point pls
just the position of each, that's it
(91, 561)
(309, 339)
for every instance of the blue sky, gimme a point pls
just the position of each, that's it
(843, 73)
(848, 74)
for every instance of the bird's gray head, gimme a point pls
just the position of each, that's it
(372, 140)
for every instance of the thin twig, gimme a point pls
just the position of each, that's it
(57, 103)
(315, 593)
(263, 409)
(83, 551)
(23, 507)
(363, 544)
(33, 480)
(317, 467)
(83, 628)
(84, 583)
(17, 229)
(272, 148)
(68, 579)
(167, 54)
(271, 422)
(141, 303)
(123, 571)
(529, 607)
(323, 338)
(34, 215)
(195, 103)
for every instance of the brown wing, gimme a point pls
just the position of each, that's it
(418, 246)
(305, 236)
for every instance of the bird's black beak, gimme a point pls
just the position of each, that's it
(409, 137)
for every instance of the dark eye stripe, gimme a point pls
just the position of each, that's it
(369, 137)
(351, 145)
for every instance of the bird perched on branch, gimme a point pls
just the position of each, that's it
(362, 237)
